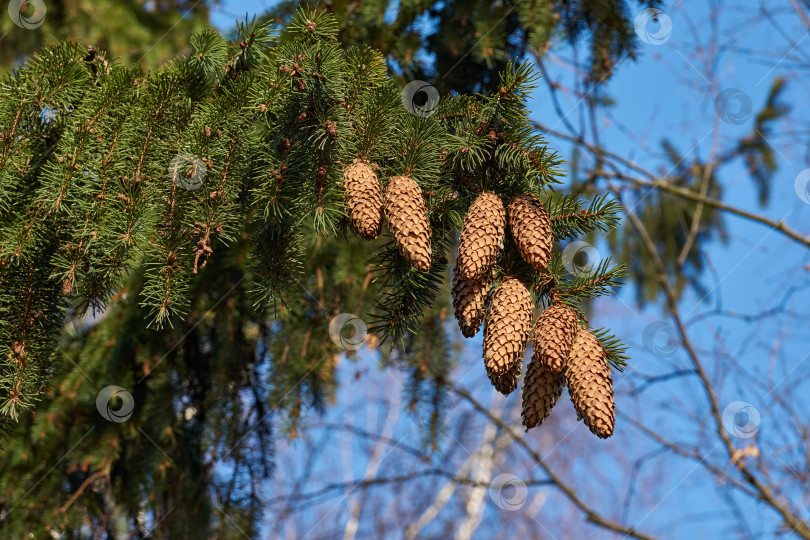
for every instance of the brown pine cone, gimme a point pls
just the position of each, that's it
(507, 326)
(508, 382)
(554, 334)
(590, 386)
(541, 390)
(469, 298)
(481, 236)
(364, 198)
(407, 219)
(531, 230)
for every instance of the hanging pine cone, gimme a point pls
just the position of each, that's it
(531, 230)
(407, 218)
(364, 198)
(541, 390)
(469, 298)
(507, 326)
(590, 386)
(508, 382)
(481, 236)
(554, 334)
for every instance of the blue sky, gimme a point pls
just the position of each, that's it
(666, 93)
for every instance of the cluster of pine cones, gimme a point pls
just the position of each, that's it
(564, 353)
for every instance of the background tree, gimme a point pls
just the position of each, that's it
(142, 32)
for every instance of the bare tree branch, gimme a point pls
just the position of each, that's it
(570, 493)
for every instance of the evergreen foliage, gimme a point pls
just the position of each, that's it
(136, 31)
(106, 170)
(145, 199)
(474, 40)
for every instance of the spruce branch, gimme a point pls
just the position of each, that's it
(569, 219)
(615, 349)
(594, 282)
(107, 172)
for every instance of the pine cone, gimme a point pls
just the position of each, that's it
(507, 326)
(508, 382)
(468, 302)
(481, 236)
(541, 390)
(554, 334)
(531, 230)
(407, 218)
(364, 198)
(590, 385)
